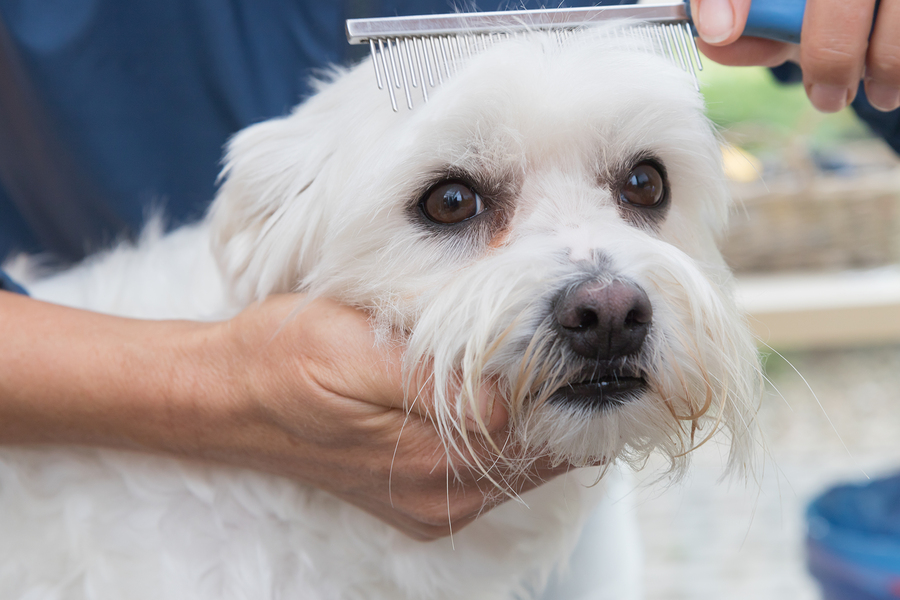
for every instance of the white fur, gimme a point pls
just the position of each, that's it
(322, 201)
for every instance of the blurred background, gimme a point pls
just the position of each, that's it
(815, 244)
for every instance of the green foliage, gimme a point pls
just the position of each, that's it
(751, 105)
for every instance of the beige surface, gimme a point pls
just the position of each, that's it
(711, 541)
(803, 311)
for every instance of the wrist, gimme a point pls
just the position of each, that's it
(77, 377)
(191, 394)
(228, 389)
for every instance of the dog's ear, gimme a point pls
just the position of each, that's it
(266, 221)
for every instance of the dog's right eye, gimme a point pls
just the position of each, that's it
(451, 202)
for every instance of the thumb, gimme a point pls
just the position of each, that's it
(720, 22)
(488, 409)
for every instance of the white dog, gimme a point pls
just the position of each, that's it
(547, 221)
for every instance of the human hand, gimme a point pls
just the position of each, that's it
(323, 404)
(835, 53)
(308, 396)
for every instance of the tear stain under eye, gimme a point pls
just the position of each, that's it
(648, 219)
(499, 239)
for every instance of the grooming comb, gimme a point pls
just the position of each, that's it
(423, 51)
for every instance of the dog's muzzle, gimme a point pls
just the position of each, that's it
(605, 323)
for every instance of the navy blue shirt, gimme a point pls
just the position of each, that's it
(108, 108)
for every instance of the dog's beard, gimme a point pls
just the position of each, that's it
(692, 377)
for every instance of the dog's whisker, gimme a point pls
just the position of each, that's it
(449, 511)
(394, 455)
(818, 403)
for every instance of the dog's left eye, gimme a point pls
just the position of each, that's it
(645, 186)
(451, 202)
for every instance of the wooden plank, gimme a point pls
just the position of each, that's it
(803, 311)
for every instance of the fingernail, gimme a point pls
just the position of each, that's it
(829, 98)
(715, 21)
(881, 96)
(478, 409)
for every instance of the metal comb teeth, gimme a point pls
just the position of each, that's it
(423, 51)
(405, 63)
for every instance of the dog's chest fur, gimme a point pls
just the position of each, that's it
(103, 524)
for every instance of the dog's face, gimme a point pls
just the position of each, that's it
(546, 223)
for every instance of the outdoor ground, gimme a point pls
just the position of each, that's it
(706, 540)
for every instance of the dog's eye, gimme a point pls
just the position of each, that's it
(645, 186)
(451, 202)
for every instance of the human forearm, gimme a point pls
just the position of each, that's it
(73, 376)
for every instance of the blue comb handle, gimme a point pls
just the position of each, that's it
(779, 20)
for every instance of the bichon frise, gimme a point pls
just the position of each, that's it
(546, 222)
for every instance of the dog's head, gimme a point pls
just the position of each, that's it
(546, 223)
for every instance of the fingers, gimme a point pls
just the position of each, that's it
(750, 51)
(839, 47)
(338, 348)
(430, 522)
(882, 76)
(488, 410)
(719, 22)
(450, 504)
(833, 50)
(345, 358)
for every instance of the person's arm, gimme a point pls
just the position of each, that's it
(309, 397)
(8, 285)
(836, 51)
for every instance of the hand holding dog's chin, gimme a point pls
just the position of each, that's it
(307, 396)
(322, 403)
(839, 48)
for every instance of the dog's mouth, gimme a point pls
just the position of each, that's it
(603, 390)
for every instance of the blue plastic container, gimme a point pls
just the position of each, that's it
(853, 541)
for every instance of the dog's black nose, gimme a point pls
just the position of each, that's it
(604, 320)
